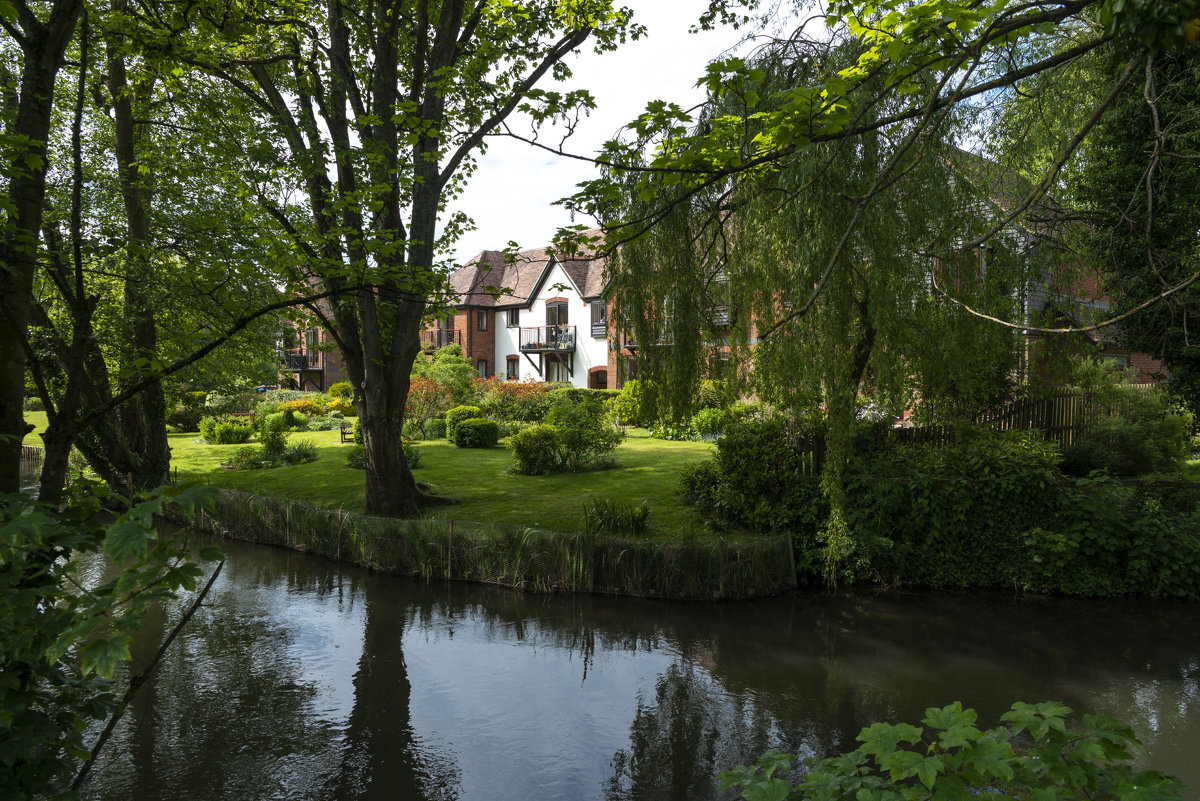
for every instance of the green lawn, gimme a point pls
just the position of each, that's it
(649, 470)
(38, 420)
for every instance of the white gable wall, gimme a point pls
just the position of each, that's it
(589, 351)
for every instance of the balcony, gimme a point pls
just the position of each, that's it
(548, 339)
(666, 335)
(435, 338)
(300, 360)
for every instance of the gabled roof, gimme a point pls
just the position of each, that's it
(1007, 190)
(477, 282)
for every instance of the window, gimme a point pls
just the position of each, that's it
(599, 318)
(449, 321)
(627, 371)
(481, 319)
(512, 368)
(514, 318)
(556, 314)
(556, 369)
(311, 337)
(483, 368)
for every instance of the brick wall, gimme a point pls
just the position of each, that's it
(478, 344)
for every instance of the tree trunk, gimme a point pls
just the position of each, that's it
(42, 49)
(143, 419)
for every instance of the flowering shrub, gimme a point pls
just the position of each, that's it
(523, 401)
(339, 405)
(309, 408)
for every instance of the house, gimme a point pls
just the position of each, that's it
(309, 360)
(1063, 291)
(535, 315)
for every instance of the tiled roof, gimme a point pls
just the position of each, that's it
(479, 281)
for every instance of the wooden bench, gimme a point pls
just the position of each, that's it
(347, 432)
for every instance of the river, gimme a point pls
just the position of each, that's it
(301, 678)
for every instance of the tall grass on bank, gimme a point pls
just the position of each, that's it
(512, 556)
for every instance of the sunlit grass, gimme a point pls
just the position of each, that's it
(477, 478)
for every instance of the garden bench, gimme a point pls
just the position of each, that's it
(347, 432)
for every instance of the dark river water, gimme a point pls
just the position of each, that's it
(306, 679)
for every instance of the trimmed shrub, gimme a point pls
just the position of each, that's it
(476, 433)
(537, 450)
(309, 408)
(273, 422)
(343, 407)
(457, 415)
(436, 428)
(587, 435)
(341, 389)
(224, 432)
(33, 404)
(358, 433)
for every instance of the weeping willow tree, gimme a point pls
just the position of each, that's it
(817, 283)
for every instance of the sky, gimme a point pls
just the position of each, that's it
(511, 194)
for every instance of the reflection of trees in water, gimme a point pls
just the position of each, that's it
(380, 758)
(225, 716)
(691, 731)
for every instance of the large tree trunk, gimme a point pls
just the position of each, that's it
(42, 49)
(143, 419)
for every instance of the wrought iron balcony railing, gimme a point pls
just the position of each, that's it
(548, 339)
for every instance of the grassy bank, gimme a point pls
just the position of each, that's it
(478, 478)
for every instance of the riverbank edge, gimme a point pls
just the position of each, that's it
(521, 558)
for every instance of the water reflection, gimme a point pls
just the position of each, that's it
(301, 678)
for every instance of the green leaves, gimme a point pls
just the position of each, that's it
(952, 760)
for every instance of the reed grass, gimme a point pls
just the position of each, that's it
(524, 558)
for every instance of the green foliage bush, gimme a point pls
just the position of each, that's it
(304, 406)
(282, 395)
(358, 433)
(343, 407)
(457, 415)
(523, 401)
(712, 423)
(186, 415)
(537, 450)
(33, 404)
(326, 423)
(436, 428)
(341, 389)
(587, 434)
(672, 432)
(217, 404)
(476, 432)
(628, 405)
(449, 370)
(1131, 446)
(1035, 753)
(711, 395)
(754, 481)
(225, 432)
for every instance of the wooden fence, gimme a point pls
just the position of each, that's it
(31, 465)
(1062, 418)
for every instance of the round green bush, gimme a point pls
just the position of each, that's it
(457, 415)
(225, 432)
(435, 428)
(341, 389)
(537, 450)
(33, 404)
(476, 432)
